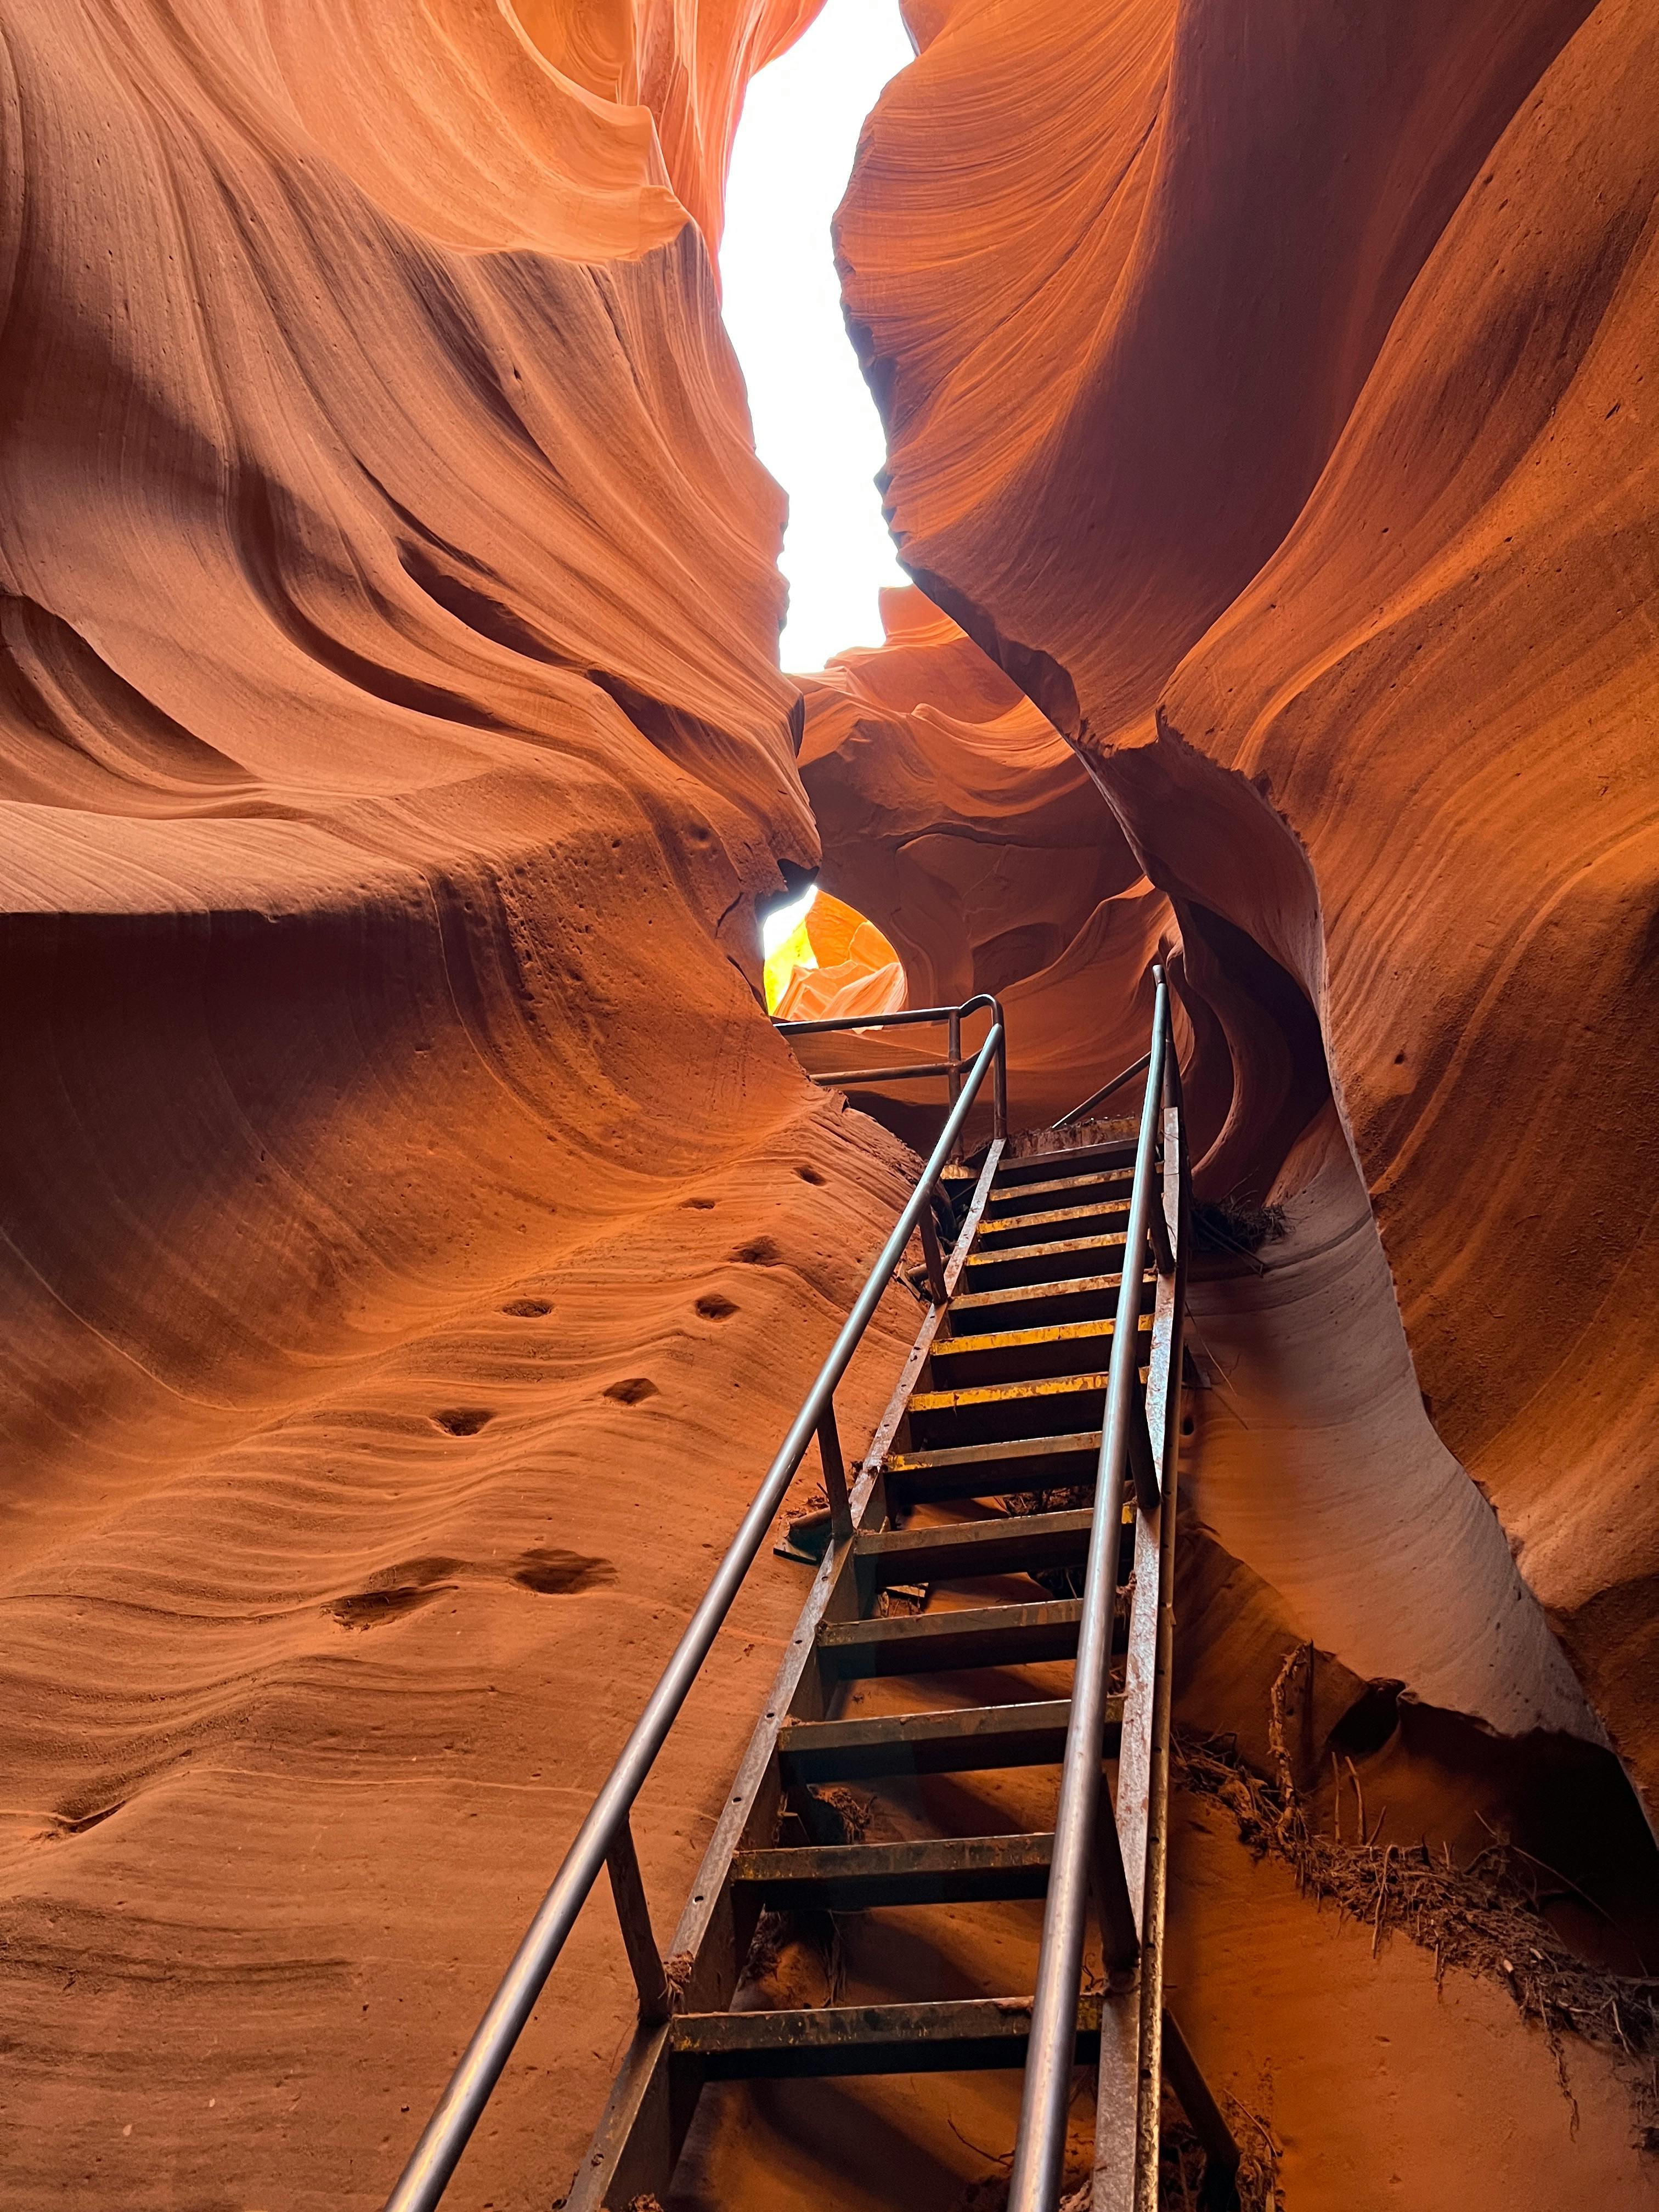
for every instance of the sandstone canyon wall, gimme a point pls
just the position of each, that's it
(400, 1178)
(414, 1237)
(1267, 392)
(956, 816)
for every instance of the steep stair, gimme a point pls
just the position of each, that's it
(956, 1627)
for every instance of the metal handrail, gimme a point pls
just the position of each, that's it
(952, 1067)
(605, 1836)
(1105, 1091)
(1040, 2152)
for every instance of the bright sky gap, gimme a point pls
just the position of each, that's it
(816, 426)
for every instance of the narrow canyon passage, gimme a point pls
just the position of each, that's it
(416, 1238)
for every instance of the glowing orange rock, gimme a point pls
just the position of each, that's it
(1266, 392)
(853, 969)
(958, 818)
(392, 757)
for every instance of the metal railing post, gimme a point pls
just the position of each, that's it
(627, 1888)
(834, 1476)
(1096, 1097)
(1040, 2151)
(935, 1257)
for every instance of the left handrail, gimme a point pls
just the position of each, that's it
(1084, 1837)
(605, 1836)
(952, 1067)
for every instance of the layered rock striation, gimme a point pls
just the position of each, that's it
(414, 1237)
(1266, 392)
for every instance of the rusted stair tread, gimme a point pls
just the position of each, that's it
(1095, 1296)
(1037, 1333)
(1028, 1354)
(1004, 1394)
(972, 1740)
(959, 1471)
(1116, 1152)
(966, 1637)
(1023, 1193)
(1015, 1448)
(1051, 1218)
(1010, 1544)
(961, 2035)
(860, 1877)
(1061, 1262)
(1063, 1247)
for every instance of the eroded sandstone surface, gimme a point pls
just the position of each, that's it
(416, 1239)
(1294, 453)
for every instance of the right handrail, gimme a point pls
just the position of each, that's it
(606, 1836)
(1105, 1091)
(1085, 1838)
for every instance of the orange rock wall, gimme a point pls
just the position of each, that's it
(373, 448)
(956, 816)
(1267, 392)
(415, 1238)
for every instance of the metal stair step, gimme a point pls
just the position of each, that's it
(1006, 1394)
(859, 1877)
(1022, 1193)
(962, 2035)
(1065, 1159)
(1073, 1297)
(985, 1412)
(1060, 1223)
(991, 1470)
(971, 1739)
(1024, 1355)
(1043, 1263)
(1008, 1544)
(965, 1637)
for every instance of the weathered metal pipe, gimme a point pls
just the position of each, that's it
(1040, 2152)
(1105, 1091)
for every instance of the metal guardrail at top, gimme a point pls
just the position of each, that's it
(950, 1066)
(605, 1838)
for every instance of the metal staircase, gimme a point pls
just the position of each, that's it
(1023, 1484)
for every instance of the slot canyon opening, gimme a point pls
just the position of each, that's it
(826, 961)
(816, 426)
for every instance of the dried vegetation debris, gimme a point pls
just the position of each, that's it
(1485, 1918)
(1237, 1228)
(1181, 2161)
(840, 1815)
(1180, 2168)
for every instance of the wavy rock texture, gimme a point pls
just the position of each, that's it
(403, 1192)
(298, 1729)
(350, 796)
(415, 1238)
(955, 816)
(1291, 447)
